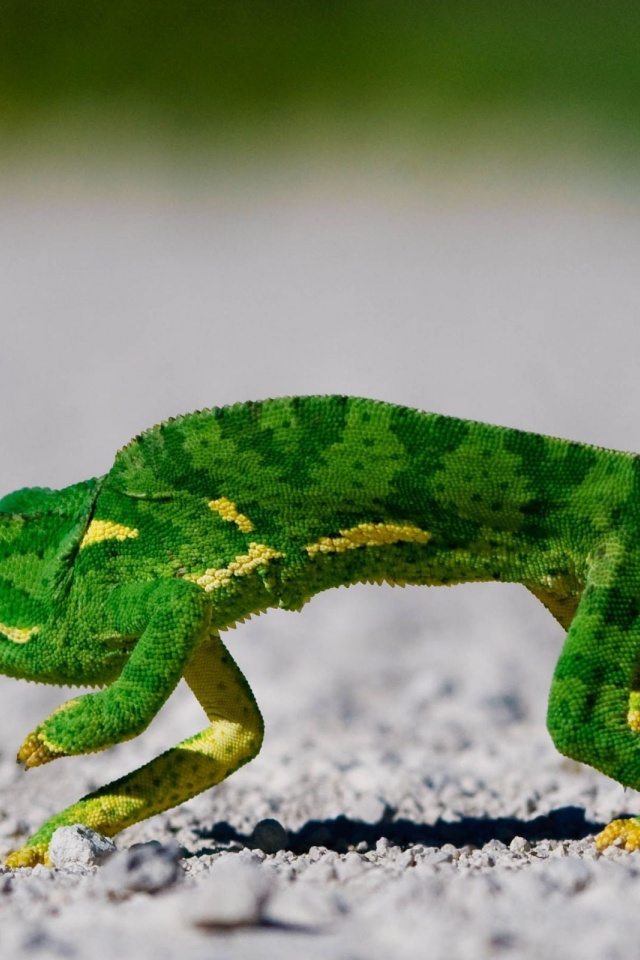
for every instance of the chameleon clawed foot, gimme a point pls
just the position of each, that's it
(28, 856)
(622, 833)
(36, 751)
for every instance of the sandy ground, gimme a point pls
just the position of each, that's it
(423, 810)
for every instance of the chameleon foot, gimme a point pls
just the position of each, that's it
(28, 856)
(36, 750)
(628, 831)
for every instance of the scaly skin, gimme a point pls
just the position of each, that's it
(124, 582)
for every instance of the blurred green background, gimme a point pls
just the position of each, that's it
(248, 75)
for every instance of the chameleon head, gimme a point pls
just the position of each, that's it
(39, 529)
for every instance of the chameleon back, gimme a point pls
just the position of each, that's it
(317, 478)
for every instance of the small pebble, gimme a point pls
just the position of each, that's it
(382, 846)
(79, 846)
(519, 845)
(270, 836)
(406, 858)
(453, 853)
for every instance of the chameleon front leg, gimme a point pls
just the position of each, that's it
(594, 714)
(233, 738)
(169, 617)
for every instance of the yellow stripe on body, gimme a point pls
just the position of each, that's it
(99, 530)
(369, 535)
(18, 634)
(228, 511)
(259, 554)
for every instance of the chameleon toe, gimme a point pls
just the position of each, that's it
(626, 831)
(27, 856)
(36, 751)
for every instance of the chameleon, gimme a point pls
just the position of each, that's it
(123, 583)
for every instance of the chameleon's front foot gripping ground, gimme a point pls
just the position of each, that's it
(170, 618)
(233, 738)
(29, 856)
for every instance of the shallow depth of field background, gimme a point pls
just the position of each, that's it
(431, 203)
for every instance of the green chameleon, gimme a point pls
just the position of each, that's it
(124, 582)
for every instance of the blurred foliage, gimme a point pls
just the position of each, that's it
(192, 68)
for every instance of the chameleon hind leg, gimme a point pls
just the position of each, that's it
(233, 737)
(594, 714)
